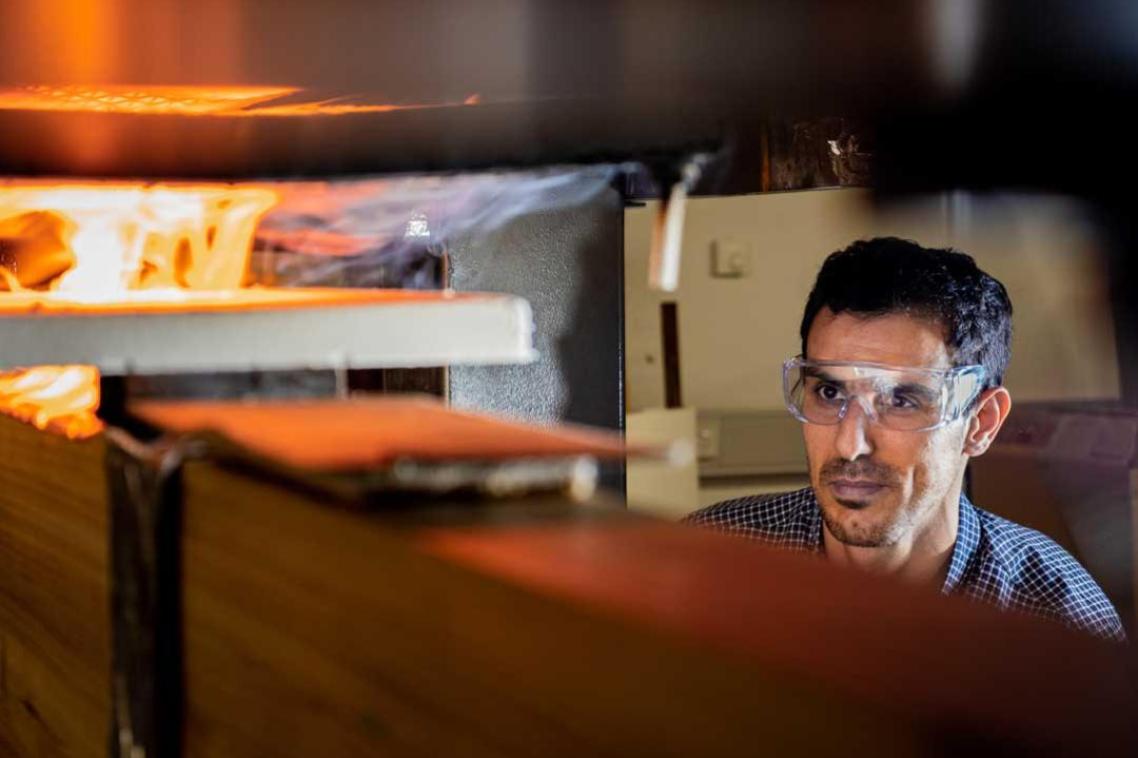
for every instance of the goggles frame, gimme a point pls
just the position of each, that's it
(951, 406)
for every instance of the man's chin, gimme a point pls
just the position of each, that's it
(850, 523)
(859, 536)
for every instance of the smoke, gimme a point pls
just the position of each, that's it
(391, 232)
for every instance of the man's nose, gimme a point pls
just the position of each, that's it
(853, 433)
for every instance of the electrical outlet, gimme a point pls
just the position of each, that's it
(707, 438)
(730, 259)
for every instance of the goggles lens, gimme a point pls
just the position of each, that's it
(905, 399)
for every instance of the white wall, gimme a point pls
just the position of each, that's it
(734, 333)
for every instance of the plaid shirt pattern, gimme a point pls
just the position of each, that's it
(994, 560)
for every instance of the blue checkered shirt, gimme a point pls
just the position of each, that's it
(994, 560)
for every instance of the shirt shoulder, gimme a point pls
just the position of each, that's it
(787, 519)
(1022, 569)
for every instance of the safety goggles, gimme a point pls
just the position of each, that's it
(904, 399)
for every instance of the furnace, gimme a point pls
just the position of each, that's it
(151, 324)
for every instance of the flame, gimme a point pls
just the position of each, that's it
(98, 243)
(193, 101)
(60, 399)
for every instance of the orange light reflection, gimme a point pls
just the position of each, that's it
(230, 102)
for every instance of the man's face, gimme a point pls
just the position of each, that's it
(876, 485)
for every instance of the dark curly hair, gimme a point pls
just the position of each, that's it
(890, 275)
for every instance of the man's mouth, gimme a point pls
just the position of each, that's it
(855, 489)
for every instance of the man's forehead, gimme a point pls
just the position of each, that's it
(895, 339)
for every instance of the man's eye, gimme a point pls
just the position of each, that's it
(828, 392)
(904, 402)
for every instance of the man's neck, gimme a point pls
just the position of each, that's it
(921, 557)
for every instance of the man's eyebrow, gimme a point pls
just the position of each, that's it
(916, 389)
(817, 373)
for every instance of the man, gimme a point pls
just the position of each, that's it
(899, 384)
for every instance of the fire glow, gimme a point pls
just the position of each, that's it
(61, 399)
(230, 102)
(104, 243)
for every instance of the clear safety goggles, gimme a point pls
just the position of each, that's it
(904, 399)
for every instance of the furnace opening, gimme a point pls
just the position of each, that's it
(98, 248)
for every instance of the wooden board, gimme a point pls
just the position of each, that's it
(371, 432)
(313, 630)
(926, 659)
(54, 606)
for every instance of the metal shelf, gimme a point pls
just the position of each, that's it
(266, 329)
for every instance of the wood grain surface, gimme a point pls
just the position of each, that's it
(312, 631)
(54, 606)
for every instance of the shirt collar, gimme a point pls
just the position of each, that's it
(967, 539)
(810, 525)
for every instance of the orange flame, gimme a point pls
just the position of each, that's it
(193, 101)
(60, 399)
(95, 243)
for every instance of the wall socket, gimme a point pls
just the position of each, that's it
(730, 259)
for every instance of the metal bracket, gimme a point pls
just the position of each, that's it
(145, 500)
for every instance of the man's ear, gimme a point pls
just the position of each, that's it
(992, 410)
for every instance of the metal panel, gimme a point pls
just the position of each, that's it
(746, 443)
(568, 264)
